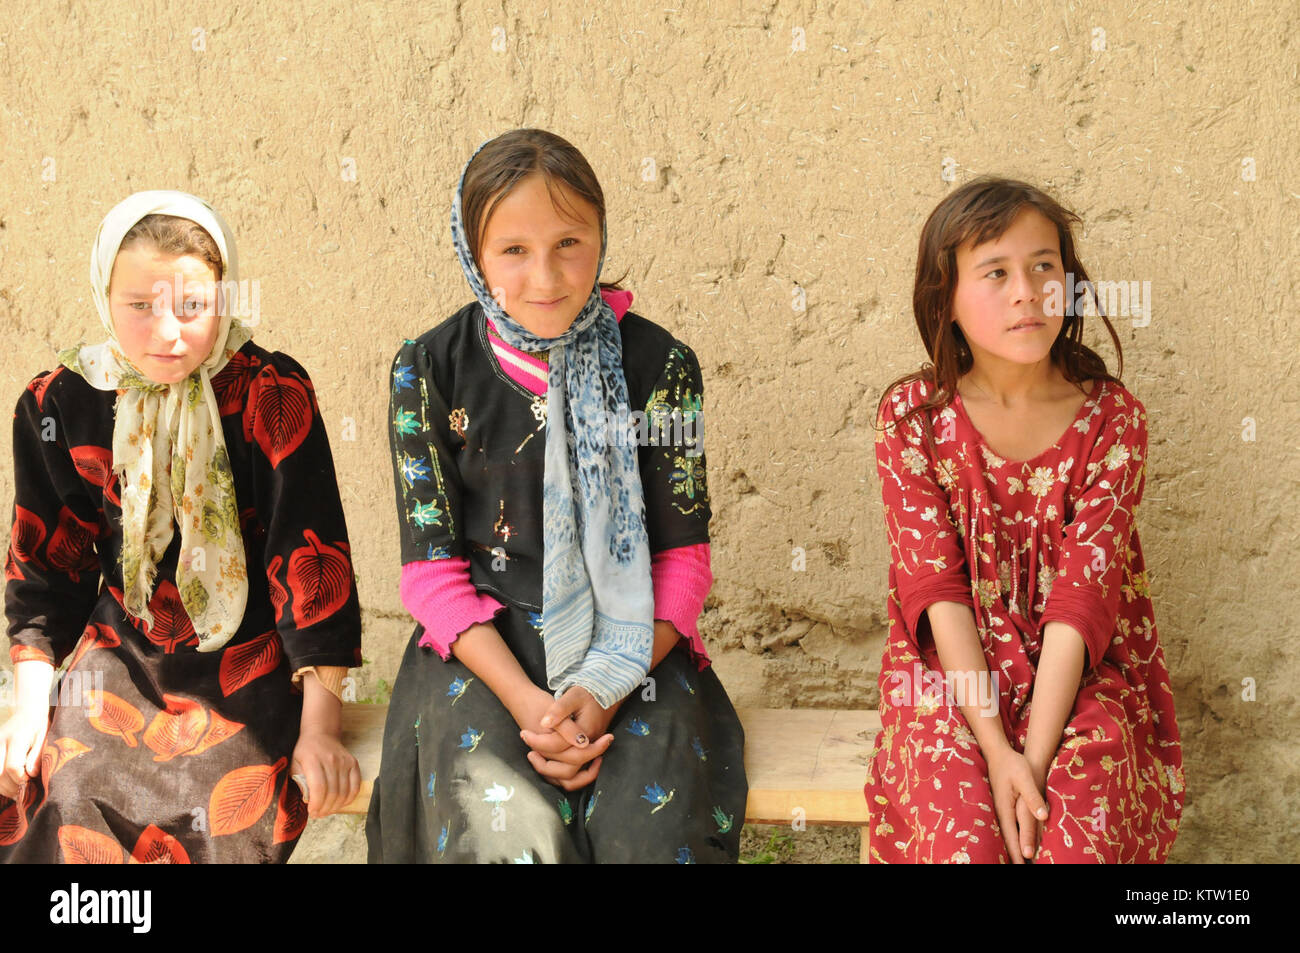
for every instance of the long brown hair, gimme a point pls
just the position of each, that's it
(980, 211)
(511, 157)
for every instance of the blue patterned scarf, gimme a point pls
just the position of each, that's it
(597, 597)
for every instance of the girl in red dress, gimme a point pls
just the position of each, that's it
(1025, 701)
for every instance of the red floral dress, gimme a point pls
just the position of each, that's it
(157, 752)
(1022, 543)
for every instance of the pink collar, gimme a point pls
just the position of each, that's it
(530, 370)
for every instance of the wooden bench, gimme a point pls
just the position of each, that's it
(802, 763)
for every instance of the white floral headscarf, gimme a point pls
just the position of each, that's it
(168, 448)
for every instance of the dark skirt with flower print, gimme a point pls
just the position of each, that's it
(456, 785)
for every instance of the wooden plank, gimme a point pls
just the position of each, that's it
(809, 759)
(363, 735)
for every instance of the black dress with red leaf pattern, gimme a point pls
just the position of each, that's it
(158, 752)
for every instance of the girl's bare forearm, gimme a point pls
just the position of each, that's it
(32, 682)
(482, 650)
(957, 641)
(322, 712)
(1056, 685)
(666, 639)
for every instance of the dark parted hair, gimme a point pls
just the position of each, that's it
(510, 158)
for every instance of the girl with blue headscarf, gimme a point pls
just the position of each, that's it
(551, 489)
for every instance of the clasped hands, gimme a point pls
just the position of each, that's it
(1018, 783)
(566, 735)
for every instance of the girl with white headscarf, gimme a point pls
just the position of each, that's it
(178, 539)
